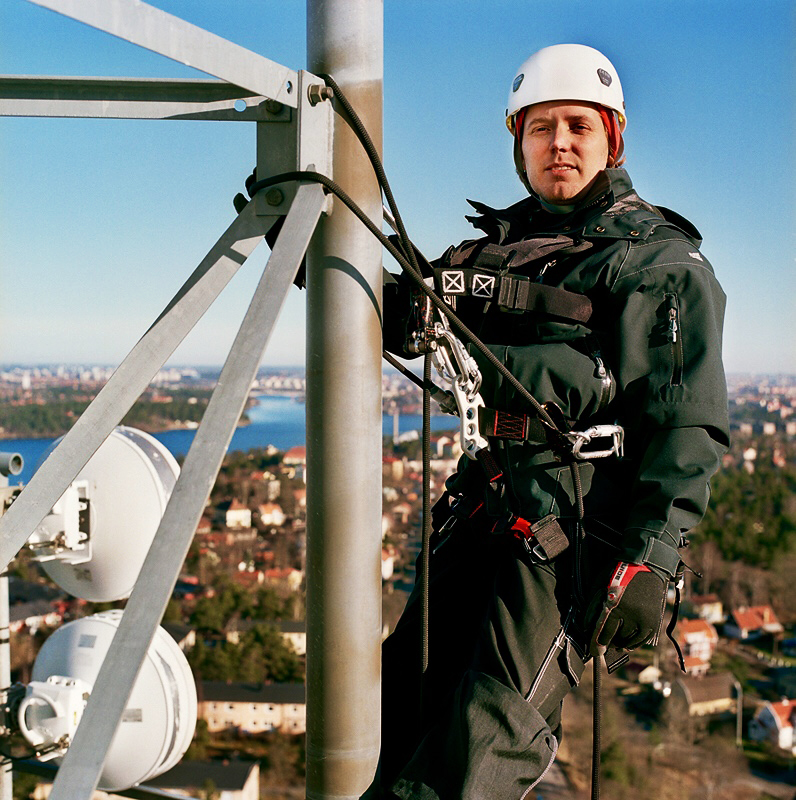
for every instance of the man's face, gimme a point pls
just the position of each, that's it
(565, 147)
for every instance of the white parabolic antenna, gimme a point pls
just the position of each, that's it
(158, 723)
(95, 539)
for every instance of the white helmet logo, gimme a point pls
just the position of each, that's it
(605, 77)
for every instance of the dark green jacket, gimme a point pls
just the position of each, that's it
(655, 324)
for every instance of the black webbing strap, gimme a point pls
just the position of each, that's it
(513, 292)
(506, 425)
(675, 616)
(518, 293)
(491, 469)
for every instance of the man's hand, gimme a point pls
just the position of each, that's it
(629, 612)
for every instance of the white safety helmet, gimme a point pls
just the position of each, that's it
(566, 72)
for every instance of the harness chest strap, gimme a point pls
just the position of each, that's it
(513, 292)
(527, 428)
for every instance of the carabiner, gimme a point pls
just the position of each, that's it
(581, 438)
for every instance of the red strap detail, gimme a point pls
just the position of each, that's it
(510, 426)
(624, 573)
(519, 119)
(476, 510)
(522, 526)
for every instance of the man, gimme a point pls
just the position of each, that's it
(604, 309)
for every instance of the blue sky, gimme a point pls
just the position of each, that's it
(102, 220)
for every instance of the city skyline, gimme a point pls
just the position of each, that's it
(103, 220)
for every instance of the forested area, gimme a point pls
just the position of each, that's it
(55, 411)
(745, 548)
(261, 653)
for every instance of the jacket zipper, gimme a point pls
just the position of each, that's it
(675, 337)
(555, 647)
(604, 374)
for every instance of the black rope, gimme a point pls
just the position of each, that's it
(596, 744)
(426, 572)
(375, 160)
(409, 249)
(407, 373)
(415, 277)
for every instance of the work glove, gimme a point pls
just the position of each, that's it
(628, 613)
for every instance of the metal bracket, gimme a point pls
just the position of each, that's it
(82, 765)
(305, 143)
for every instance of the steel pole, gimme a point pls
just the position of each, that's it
(345, 39)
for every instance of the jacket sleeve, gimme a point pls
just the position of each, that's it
(672, 395)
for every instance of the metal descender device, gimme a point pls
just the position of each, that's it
(459, 373)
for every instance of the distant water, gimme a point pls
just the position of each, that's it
(275, 420)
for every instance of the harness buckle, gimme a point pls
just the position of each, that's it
(543, 539)
(580, 439)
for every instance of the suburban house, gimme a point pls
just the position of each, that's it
(184, 635)
(401, 513)
(446, 445)
(711, 695)
(707, 607)
(640, 672)
(387, 562)
(295, 456)
(698, 640)
(272, 514)
(392, 468)
(294, 463)
(294, 632)
(238, 515)
(775, 722)
(752, 623)
(33, 615)
(253, 707)
(235, 780)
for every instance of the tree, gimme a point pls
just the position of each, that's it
(209, 791)
(197, 750)
(208, 615)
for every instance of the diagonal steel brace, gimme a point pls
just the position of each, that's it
(82, 765)
(170, 36)
(129, 380)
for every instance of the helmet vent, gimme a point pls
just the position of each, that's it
(605, 77)
(518, 82)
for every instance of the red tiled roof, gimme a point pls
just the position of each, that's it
(691, 628)
(754, 618)
(298, 453)
(704, 599)
(785, 711)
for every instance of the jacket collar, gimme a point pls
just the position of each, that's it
(612, 211)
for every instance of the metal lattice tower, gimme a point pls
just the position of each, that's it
(294, 132)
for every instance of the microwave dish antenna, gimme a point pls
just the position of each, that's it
(96, 537)
(158, 721)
